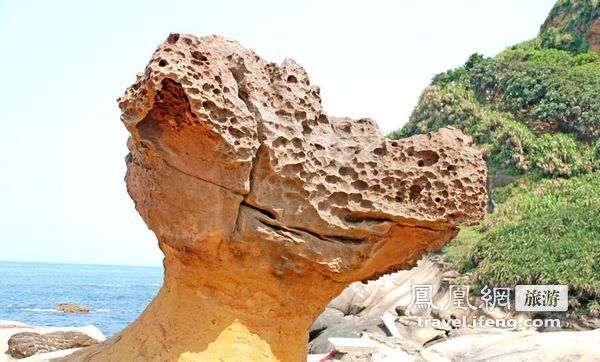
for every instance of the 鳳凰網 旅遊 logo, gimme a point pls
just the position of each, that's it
(527, 298)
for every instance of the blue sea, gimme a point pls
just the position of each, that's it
(117, 295)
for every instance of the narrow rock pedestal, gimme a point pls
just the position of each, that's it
(265, 207)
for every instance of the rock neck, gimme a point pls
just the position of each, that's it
(203, 314)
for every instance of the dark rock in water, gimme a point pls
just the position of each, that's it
(27, 344)
(72, 308)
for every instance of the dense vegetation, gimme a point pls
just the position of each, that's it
(534, 111)
(530, 109)
(568, 25)
(546, 232)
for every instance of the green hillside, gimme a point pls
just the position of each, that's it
(530, 109)
(534, 111)
(572, 26)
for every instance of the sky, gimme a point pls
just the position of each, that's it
(64, 63)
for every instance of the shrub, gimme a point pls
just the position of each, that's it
(544, 85)
(508, 144)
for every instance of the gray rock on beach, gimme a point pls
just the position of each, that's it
(8, 330)
(27, 344)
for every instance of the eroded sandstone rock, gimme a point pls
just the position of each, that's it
(265, 207)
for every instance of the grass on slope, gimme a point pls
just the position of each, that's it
(547, 232)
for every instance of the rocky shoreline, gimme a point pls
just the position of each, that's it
(373, 321)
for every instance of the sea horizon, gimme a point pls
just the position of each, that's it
(80, 263)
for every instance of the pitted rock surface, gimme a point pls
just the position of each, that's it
(265, 206)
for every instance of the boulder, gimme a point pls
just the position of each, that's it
(25, 344)
(10, 328)
(359, 308)
(265, 207)
(71, 308)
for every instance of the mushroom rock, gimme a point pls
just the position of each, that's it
(265, 207)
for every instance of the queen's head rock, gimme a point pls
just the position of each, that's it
(265, 207)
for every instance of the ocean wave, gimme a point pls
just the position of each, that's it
(123, 285)
(52, 310)
(39, 310)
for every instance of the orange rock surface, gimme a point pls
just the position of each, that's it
(594, 37)
(265, 207)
